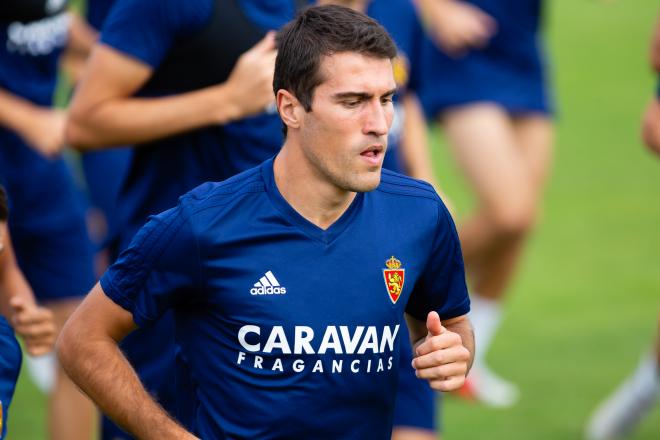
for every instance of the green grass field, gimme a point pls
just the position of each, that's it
(585, 305)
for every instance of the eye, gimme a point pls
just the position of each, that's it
(351, 104)
(387, 99)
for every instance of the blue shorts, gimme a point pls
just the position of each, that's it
(10, 365)
(415, 400)
(46, 222)
(58, 265)
(510, 71)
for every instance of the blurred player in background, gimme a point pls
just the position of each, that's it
(185, 84)
(626, 407)
(486, 85)
(18, 312)
(318, 210)
(47, 222)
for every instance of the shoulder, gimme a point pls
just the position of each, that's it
(216, 195)
(404, 186)
(412, 196)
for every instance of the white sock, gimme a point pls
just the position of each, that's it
(485, 315)
(41, 370)
(645, 381)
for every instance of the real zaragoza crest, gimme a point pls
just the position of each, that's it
(394, 276)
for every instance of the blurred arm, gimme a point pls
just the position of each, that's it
(456, 26)
(81, 40)
(42, 128)
(104, 113)
(88, 352)
(415, 145)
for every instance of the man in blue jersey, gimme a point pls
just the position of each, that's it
(289, 282)
(17, 306)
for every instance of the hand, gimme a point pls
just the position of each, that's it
(251, 80)
(45, 133)
(441, 358)
(457, 26)
(34, 324)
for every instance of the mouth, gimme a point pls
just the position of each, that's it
(373, 154)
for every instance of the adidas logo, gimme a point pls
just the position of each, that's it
(268, 285)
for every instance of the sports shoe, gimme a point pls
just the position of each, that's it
(620, 413)
(482, 385)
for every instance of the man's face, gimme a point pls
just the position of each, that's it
(344, 136)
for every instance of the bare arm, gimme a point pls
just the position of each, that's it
(81, 41)
(34, 324)
(415, 143)
(457, 26)
(88, 352)
(42, 128)
(443, 351)
(104, 112)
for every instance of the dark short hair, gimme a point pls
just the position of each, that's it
(320, 31)
(4, 205)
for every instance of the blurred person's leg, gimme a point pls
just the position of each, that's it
(71, 415)
(506, 161)
(622, 411)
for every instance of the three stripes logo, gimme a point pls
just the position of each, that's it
(268, 285)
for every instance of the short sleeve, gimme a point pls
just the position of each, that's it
(442, 285)
(160, 269)
(147, 29)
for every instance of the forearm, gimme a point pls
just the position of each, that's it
(138, 120)
(15, 112)
(99, 368)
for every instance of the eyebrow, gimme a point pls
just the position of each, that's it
(360, 95)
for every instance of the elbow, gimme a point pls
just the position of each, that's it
(65, 347)
(77, 133)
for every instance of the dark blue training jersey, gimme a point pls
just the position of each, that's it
(291, 331)
(149, 30)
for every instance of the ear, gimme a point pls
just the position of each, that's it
(289, 108)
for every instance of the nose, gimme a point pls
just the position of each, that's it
(378, 119)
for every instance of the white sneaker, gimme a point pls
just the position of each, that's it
(41, 370)
(618, 416)
(486, 387)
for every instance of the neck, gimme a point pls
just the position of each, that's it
(306, 190)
